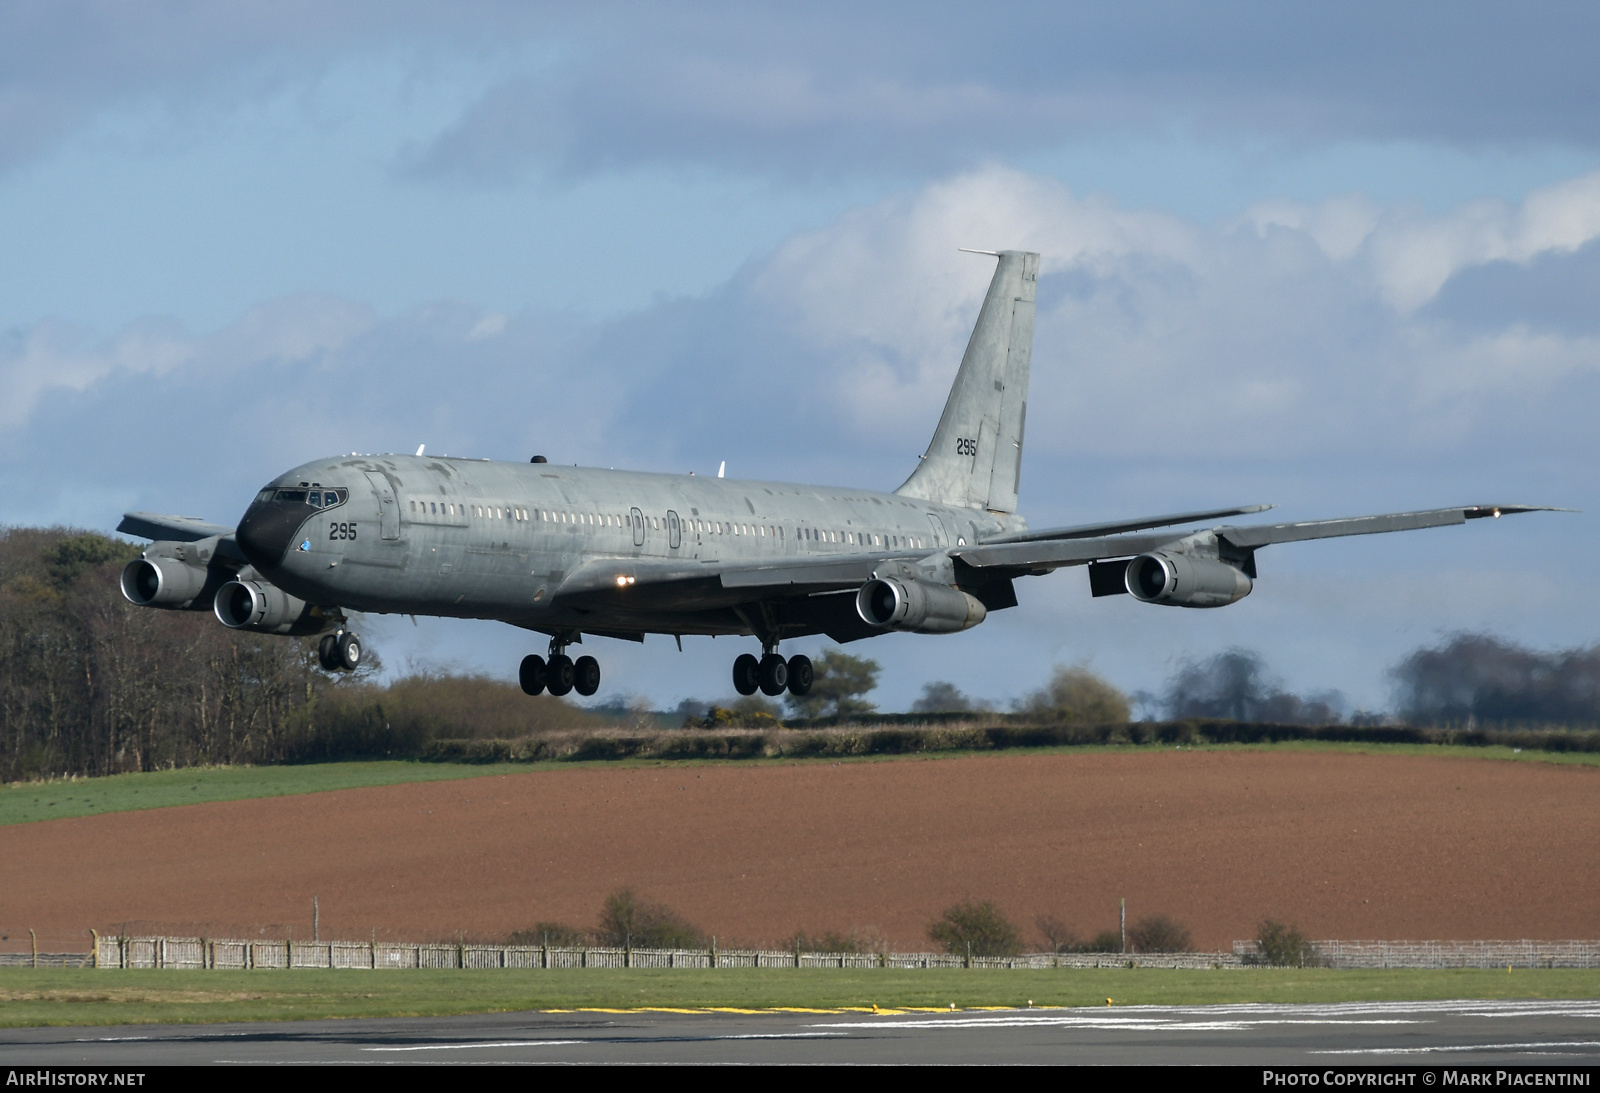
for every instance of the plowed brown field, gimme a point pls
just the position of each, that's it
(1341, 844)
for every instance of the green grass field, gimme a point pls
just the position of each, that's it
(30, 997)
(29, 802)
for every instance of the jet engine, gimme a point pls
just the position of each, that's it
(176, 576)
(920, 607)
(1182, 580)
(266, 609)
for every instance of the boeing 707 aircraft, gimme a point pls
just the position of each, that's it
(574, 551)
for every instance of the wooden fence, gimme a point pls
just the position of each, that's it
(1447, 954)
(197, 953)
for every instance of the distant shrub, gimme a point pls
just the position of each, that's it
(625, 919)
(971, 928)
(1077, 696)
(558, 934)
(943, 697)
(720, 717)
(1283, 946)
(1058, 936)
(1106, 941)
(1158, 934)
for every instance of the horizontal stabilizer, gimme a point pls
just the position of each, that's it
(177, 529)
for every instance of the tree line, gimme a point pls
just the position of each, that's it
(91, 685)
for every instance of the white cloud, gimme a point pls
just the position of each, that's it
(1410, 254)
(54, 356)
(1286, 332)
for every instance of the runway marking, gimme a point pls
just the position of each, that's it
(1529, 1047)
(1132, 1022)
(609, 1040)
(479, 1044)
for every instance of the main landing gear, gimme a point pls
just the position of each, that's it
(772, 675)
(560, 675)
(339, 652)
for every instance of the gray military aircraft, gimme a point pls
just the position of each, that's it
(570, 551)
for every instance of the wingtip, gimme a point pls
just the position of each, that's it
(1476, 512)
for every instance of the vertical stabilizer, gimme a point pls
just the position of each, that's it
(975, 458)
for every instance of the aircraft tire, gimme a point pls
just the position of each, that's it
(774, 675)
(801, 675)
(328, 652)
(746, 674)
(586, 676)
(350, 651)
(531, 674)
(558, 676)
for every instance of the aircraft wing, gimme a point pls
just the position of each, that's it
(1265, 534)
(177, 529)
(1052, 553)
(1091, 531)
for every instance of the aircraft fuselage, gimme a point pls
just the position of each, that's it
(548, 547)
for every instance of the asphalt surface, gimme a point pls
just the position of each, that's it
(1443, 1034)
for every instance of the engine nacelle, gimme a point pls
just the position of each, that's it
(162, 582)
(1181, 580)
(176, 576)
(266, 609)
(920, 607)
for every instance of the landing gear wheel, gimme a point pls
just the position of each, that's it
(774, 675)
(586, 676)
(800, 676)
(328, 652)
(531, 674)
(746, 674)
(348, 649)
(558, 675)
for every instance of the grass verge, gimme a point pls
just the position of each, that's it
(28, 802)
(30, 997)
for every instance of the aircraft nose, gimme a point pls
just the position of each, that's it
(267, 530)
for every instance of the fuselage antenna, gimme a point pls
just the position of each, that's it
(722, 467)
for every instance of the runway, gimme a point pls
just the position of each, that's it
(1432, 1034)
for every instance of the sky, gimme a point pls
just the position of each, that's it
(1343, 258)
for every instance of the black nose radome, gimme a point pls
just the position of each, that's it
(267, 530)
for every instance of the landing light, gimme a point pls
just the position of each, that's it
(623, 582)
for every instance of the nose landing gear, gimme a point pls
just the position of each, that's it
(560, 675)
(772, 675)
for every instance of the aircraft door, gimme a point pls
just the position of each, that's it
(940, 540)
(637, 519)
(388, 508)
(674, 530)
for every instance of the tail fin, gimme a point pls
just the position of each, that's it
(975, 458)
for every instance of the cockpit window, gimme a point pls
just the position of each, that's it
(315, 498)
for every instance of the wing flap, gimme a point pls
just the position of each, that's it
(1052, 553)
(1143, 523)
